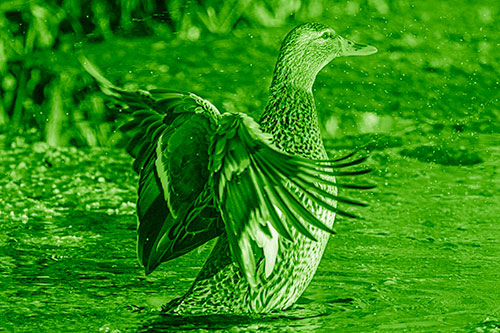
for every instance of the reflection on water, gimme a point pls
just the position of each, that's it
(302, 317)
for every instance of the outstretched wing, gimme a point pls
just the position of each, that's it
(252, 183)
(175, 204)
(170, 135)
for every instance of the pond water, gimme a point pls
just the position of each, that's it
(423, 257)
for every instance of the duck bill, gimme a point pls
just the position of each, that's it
(350, 48)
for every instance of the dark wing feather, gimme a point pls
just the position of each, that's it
(256, 188)
(179, 162)
(169, 135)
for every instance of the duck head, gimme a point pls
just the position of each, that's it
(307, 49)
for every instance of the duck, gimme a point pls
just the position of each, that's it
(265, 189)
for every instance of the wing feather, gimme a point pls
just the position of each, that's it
(170, 133)
(261, 191)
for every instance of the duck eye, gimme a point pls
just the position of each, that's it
(327, 35)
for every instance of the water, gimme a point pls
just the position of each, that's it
(423, 257)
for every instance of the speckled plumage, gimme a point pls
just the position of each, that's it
(290, 117)
(265, 189)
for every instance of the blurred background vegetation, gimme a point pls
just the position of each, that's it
(438, 59)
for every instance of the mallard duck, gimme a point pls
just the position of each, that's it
(266, 189)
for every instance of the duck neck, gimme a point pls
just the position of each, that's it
(290, 117)
(292, 71)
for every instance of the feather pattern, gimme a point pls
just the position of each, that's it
(266, 189)
(253, 180)
(186, 152)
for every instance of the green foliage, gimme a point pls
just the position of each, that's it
(436, 62)
(36, 93)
